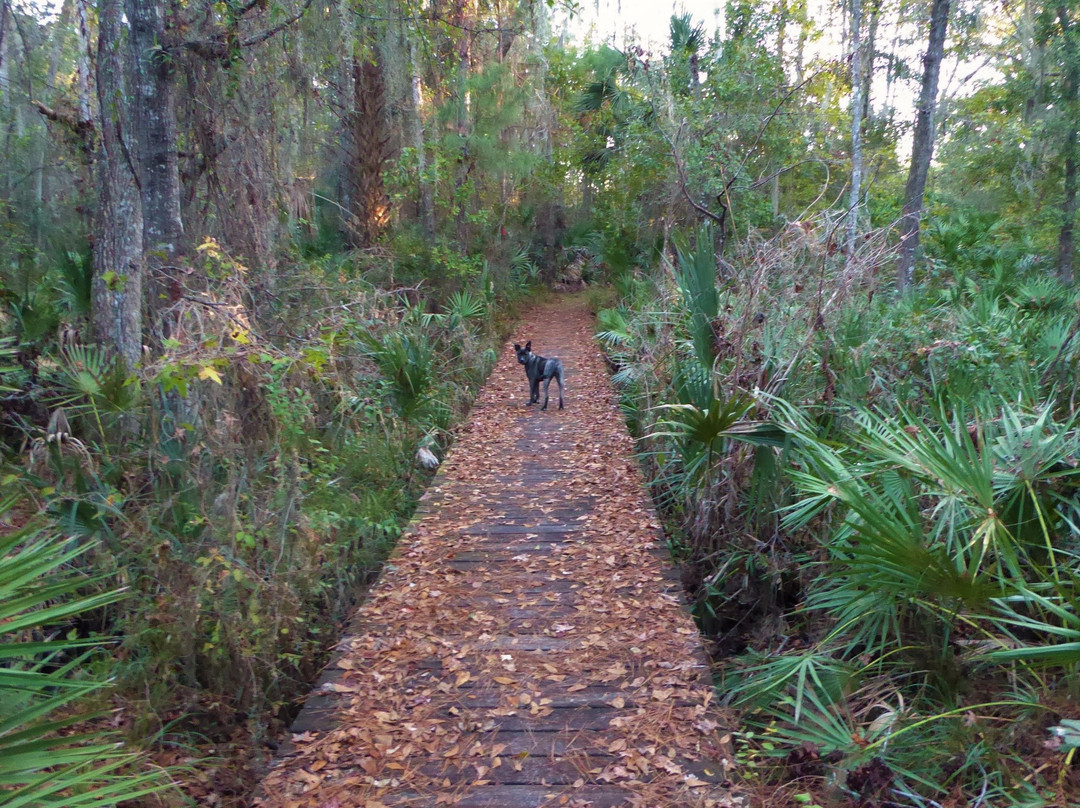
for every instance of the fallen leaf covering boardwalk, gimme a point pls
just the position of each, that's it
(527, 644)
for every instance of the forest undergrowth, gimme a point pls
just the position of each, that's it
(874, 498)
(241, 490)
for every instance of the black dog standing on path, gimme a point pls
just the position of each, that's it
(538, 369)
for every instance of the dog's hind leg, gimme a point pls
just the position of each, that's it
(547, 384)
(559, 380)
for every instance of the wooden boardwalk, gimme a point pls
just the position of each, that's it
(527, 645)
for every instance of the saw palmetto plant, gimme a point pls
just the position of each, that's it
(53, 752)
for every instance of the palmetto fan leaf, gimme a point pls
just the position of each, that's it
(614, 328)
(93, 378)
(916, 526)
(790, 678)
(464, 305)
(605, 88)
(696, 275)
(887, 566)
(407, 361)
(686, 37)
(701, 433)
(43, 763)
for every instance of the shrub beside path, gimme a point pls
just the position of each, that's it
(527, 644)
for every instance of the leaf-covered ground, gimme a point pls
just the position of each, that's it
(526, 645)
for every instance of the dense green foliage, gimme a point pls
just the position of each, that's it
(875, 495)
(901, 574)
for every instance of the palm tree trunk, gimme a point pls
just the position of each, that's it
(368, 137)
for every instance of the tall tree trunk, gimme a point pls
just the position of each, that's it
(1033, 57)
(345, 93)
(464, 168)
(118, 249)
(869, 52)
(41, 157)
(1070, 91)
(782, 15)
(922, 149)
(82, 61)
(855, 192)
(18, 122)
(427, 197)
(366, 122)
(800, 45)
(5, 95)
(158, 160)
(4, 14)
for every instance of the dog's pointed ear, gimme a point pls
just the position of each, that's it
(528, 345)
(517, 347)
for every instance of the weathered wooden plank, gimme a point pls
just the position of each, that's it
(508, 529)
(590, 697)
(524, 796)
(560, 719)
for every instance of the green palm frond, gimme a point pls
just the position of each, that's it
(1051, 616)
(464, 305)
(45, 761)
(702, 433)
(696, 276)
(407, 362)
(686, 38)
(614, 328)
(792, 677)
(7, 353)
(94, 379)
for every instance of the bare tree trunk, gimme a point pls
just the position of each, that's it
(82, 76)
(869, 52)
(118, 250)
(427, 198)
(5, 95)
(42, 155)
(158, 160)
(344, 99)
(782, 15)
(922, 148)
(800, 45)
(1066, 240)
(464, 167)
(4, 13)
(855, 191)
(18, 122)
(1070, 91)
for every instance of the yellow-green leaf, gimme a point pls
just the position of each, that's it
(208, 372)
